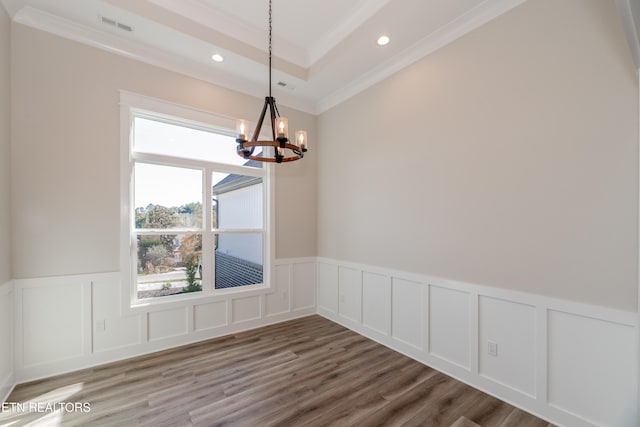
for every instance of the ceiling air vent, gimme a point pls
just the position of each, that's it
(285, 85)
(116, 24)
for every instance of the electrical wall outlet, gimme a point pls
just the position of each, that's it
(492, 348)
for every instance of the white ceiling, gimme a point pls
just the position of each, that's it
(324, 50)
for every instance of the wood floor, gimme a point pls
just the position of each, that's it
(305, 372)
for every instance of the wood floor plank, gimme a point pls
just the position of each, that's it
(244, 400)
(406, 379)
(402, 409)
(456, 400)
(235, 372)
(305, 372)
(339, 390)
(489, 411)
(464, 422)
(519, 418)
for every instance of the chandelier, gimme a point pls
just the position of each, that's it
(284, 150)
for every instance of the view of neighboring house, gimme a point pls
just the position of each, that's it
(238, 256)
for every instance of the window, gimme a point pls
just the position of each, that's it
(196, 212)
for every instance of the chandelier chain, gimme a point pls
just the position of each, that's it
(270, 49)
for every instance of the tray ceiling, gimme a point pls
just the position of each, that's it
(324, 51)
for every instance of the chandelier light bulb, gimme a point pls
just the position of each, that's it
(242, 129)
(301, 139)
(282, 126)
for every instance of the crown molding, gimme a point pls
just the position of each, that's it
(70, 30)
(457, 28)
(365, 10)
(13, 6)
(237, 29)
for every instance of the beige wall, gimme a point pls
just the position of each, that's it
(5, 148)
(508, 158)
(66, 154)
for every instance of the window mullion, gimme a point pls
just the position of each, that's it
(165, 160)
(238, 230)
(160, 231)
(208, 259)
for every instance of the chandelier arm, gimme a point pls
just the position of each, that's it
(256, 133)
(276, 107)
(244, 153)
(272, 104)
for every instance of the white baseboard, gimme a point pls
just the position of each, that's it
(6, 387)
(7, 366)
(568, 363)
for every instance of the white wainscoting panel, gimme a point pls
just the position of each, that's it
(111, 331)
(407, 312)
(53, 321)
(245, 309)
(328, 287)
(167, 323)
(7, 375)
(209, 316)
(449, 325)
(376, 302)
(304, 289)
(512, 327)
(350, 293)
(589, 365)
(576, 366)
(74, 322)
(278, 301)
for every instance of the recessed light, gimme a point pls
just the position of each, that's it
(383, 40)
(217, 57)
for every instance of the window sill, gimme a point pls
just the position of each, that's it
(196, 298)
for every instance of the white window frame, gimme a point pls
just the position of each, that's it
(134, 105)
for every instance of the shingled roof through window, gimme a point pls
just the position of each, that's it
(232, 272)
